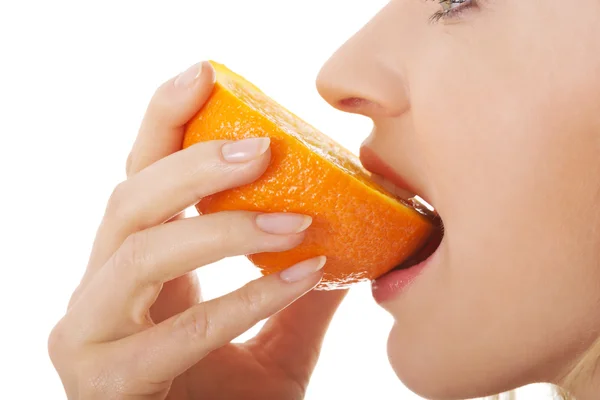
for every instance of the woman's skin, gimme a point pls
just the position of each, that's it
(135, 326)
(494, 117)
(492, 114)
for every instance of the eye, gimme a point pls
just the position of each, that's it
(452, 8)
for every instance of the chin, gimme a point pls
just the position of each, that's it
(431, 377)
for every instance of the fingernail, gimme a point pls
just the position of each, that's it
(189, 76)
(283, 223)
(245, 150)
(303, 269)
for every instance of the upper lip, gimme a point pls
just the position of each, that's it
(371, 161)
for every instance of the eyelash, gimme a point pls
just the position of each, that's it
(449, 11)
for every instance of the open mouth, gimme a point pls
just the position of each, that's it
(432, 244)
(393, 283)
(403, 189)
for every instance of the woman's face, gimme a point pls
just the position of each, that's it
(492, 114)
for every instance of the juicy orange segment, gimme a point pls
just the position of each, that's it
(362, 229)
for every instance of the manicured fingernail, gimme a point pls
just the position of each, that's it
(303, 269)
(245, 150)
(283, 223)
(188, 77)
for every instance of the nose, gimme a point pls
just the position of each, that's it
(366, 76)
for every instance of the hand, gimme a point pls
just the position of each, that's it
(136, 326)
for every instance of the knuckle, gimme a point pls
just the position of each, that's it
(251, 298)
(233, 233)
(75, 296)
(191, 164)
(133, 253)
(128, 164)
(230, 229)
(203, 162)
(56, 342)
(94, 382)
(117, 203)
(196, 323)
(85, 373)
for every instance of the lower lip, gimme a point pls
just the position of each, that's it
(394, 283)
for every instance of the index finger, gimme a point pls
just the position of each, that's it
(161, 133)
(174, 103)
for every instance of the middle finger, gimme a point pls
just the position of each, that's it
(172, 184)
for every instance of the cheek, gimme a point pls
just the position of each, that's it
(518, 172)
(512, 159)
(515, 179)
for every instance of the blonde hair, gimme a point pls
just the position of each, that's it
(582, 369)
(512, 395)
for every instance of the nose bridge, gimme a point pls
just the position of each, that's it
(371, 66)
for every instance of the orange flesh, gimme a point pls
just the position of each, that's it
(362, 229)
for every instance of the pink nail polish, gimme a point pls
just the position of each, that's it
(188, 77)
(245, 150)
(303, 269)
(283, 223)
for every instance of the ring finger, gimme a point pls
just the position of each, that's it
(116, 302)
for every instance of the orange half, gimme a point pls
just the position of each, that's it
(364, 230)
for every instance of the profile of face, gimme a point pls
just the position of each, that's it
(490, 111)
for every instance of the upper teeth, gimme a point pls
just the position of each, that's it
(424, 203)
(395, 190)
(417, 200)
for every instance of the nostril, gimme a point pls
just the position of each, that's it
(353, 102)
(360, 105)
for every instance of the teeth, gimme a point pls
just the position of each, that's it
(416, 201)
(423, 207)
(390, 187)
(424, 203)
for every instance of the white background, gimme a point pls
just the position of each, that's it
(75, 78)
